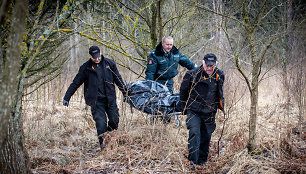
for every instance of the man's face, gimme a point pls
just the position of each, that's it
(167, 45)
(209, 69)
(96, 60)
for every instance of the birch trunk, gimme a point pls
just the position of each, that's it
(13, 156)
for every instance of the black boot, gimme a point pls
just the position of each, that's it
(101, 142)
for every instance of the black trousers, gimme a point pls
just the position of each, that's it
(200, 131)
(106, 116)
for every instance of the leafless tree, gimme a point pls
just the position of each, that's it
(26, 60)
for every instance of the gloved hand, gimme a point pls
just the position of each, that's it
(65, 103)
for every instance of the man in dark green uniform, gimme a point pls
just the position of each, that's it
(163, 61)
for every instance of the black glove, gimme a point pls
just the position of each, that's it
(65, 103)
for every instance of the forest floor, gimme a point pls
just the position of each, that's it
(63, 140)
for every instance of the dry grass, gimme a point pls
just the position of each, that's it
(63, 140)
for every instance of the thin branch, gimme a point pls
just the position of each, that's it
(258, 18)
(138, 13)
(214, 12)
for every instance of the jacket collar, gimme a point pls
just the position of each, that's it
(91, 64)
(160, 52)
(201, 72)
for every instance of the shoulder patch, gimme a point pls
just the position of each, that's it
(150, 61)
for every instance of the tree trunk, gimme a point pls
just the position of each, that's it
(160, 20)
(300, 85)
(153, 30)
(256, 67)
(13, 156)
(254, 97)
(253, 110)
(295, 56)
(252, 124)
(286, 55)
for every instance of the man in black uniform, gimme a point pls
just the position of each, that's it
(99, 75)
(201, 94)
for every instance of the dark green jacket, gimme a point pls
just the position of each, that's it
(163, 67)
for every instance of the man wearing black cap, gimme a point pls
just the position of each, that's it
(201, 94)
(99, 75)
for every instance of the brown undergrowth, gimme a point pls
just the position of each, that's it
(63, 140)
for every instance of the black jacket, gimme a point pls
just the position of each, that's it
(194, 90)
(88, 75)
